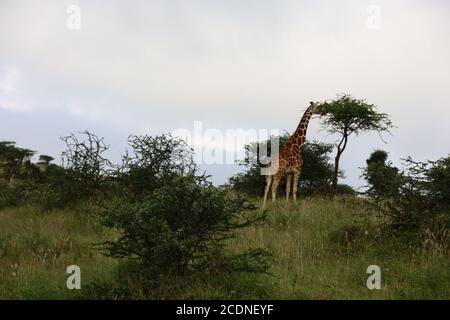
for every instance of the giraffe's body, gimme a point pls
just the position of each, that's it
(289, 160)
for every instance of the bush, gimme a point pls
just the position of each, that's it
(344, 190)
(249, 182)
(86, 167)
(382, 177)
(153, 162)
(316, 172)
(175, 222)
(422, 202)
(177, 227)
(17, 192)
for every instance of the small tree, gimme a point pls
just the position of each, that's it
(317, 170)
(45, 159)
(316, 173)
(171, 220)
(152, 161)
(422, 203)
(347, 116)
(12, 159)
(84, 162)
(382, 177)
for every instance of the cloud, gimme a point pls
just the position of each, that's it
(159, 65)
(11, 95)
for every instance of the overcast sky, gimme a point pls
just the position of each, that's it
(156, 66)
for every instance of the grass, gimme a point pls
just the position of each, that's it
(321, 250)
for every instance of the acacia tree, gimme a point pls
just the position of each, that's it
(85, 162)
(347, 116)
(45, 159)
(12, 159)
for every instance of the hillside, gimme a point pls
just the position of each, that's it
(321, 250)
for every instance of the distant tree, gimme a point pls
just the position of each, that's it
(378, 156)
(347, 116)
(437, 181)
(383, 179)
(422, 203)
(12, 159)
(345, 190)
(317, 170)
(316, 173)
(45, 159)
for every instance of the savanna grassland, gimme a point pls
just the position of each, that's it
(320, 250)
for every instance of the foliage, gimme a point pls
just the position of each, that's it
(51, 186)
(345, 190)
(176, 228)
(172, 221)
(59, 189)
(249, 182)
(43, 158)
(12, 160)
(83, 175)
(437, 180)
(152, 162)
(382, 177)
(347, 116)
(316, 172)
(422, 201)
(85, 162)
(17, 192)
(307, 263)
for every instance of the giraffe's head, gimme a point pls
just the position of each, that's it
(317, 108)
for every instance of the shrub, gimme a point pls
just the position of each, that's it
(12, 160)
(422, 201)
(152, 162)
(17, 192)
(382, 177)
(178, 227)
(344, 190)
(173, 221)
(85, 164)
(316, 172)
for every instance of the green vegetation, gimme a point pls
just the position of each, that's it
(321, 250)
(416, 199)
(382, 177)
(316, 175)
(175, 223)
(346, 117)
(153, 227)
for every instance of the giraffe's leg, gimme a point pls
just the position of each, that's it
(288, 186)
(295, 183)
(276, 182)
(266, 190)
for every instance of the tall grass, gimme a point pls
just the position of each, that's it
(36, 248)
(321, 250)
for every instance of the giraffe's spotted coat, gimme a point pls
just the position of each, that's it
(289, 160)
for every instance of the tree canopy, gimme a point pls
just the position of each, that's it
(382, 177)
(12, 159)
(348, 116)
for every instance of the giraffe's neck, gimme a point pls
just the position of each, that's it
(299, 135)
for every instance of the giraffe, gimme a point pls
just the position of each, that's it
(289, 160)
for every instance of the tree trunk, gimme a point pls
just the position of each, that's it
(340, 149)
(335, 174)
